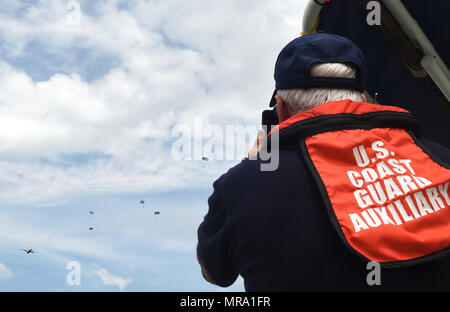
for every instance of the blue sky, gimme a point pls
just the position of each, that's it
(87, 113)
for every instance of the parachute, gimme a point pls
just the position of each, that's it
(205, 159)
(91, 213)
(156, 214)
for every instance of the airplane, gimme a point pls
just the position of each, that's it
(29, 251)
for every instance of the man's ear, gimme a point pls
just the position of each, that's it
(283, 111)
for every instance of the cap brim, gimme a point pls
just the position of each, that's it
(273, 101)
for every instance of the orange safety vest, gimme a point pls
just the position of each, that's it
(386, 195)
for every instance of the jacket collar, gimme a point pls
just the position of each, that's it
(335, 108)
(341, 115)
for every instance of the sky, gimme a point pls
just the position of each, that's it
(95, 98)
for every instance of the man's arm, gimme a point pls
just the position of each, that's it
(215, 241)
(214, 235)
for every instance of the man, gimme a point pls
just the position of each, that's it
(354, 186)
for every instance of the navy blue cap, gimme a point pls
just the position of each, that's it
(292, 69)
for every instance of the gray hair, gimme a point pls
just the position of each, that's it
(299, 100)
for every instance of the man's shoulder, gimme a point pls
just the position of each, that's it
(435, 149)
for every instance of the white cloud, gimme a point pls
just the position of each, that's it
(176, 61)
(5, 273)
(110, 279)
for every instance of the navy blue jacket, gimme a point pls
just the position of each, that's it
(272, 228)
